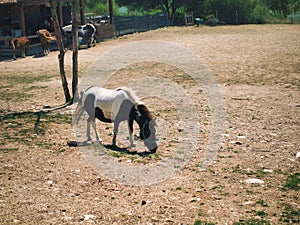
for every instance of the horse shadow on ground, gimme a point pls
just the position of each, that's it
(39, 55)
(110, 147)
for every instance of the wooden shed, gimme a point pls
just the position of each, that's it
(25, 17)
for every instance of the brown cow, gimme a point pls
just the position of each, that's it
(21, 42)
(45, 39)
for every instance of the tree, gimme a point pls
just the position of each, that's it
(280, 6)
(168, 6)
(60, 45)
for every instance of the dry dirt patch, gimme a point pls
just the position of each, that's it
(44, 181)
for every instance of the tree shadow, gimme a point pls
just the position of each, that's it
(38, 114)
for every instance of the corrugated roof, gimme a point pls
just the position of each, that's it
(7, 2)
(28, 2)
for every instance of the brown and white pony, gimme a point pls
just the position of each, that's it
(114, 106)
(45, 39)
(21, 42)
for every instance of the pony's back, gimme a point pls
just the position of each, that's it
(131, 94)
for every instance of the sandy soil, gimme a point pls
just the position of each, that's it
(43, 181)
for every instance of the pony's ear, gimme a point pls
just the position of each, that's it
(137, 114)
(154, 122)
(137, 137)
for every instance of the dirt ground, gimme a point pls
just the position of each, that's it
(43, 181)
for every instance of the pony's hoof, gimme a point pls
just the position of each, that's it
(152, 151)
(133, 145)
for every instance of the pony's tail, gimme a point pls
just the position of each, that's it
(79, 109)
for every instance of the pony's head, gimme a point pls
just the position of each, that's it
(147, 127)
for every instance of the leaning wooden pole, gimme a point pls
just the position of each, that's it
(75, 23)
(60, 45)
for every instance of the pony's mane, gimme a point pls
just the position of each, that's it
(145, 111)
(131, 94)
(138, 103)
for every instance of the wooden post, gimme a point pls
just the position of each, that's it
(111, 12)
(75, 23)
(22, 19)
(82, 16)
(60, 14)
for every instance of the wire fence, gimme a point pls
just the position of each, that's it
(132, 24)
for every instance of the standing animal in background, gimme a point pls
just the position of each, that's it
(86, 35)
(21, 42)
(115, 106)
(45, 39)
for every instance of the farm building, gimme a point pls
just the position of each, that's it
(25, 17)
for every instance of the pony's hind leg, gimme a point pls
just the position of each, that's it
(96, 132)
(90, 109)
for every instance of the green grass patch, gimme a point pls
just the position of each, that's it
(262, 203)
(7, 150)
(238, 169)
(252, 221)
(199, 222)
(261, 213)
(292, 182)
(221, 186)
(14, 96)
(35, 88)
(116, 154)
(259, 173)
(290, 215)
(26, 79)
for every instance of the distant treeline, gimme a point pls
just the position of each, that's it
(229, 11)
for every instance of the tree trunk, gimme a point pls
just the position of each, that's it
(111, 12)
(75, 23)
(167, 9)
(173, 9)
(60, 45)
(82, 17)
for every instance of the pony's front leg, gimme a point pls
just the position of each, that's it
(88, 131)
(116, 129)
(130, 130)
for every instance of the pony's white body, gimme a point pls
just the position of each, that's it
(109, 101)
